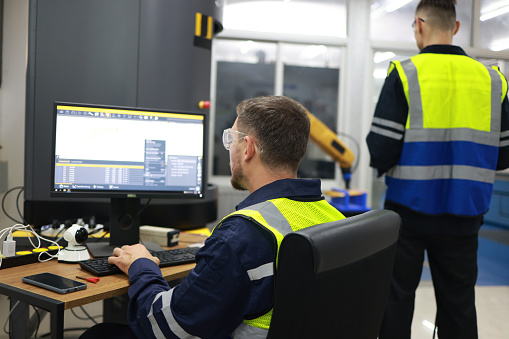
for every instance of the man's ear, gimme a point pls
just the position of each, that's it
(250, 148)
(456, 28)
(418, 25)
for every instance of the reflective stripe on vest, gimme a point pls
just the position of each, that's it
(246, 331)
(280, 217)
(448, 162)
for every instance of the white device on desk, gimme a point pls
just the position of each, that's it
(75, 236)
(161, 235)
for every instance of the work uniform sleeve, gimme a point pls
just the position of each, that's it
(503, 151)
(385, 139)
(209, 303)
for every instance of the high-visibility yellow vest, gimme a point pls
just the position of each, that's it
(281, 216)
(452, 135)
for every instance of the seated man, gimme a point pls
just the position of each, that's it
(230, 292)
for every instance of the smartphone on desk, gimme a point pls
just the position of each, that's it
(54, 282)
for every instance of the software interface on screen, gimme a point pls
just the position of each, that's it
(108, 150)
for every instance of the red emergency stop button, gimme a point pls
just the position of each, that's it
(204, 104)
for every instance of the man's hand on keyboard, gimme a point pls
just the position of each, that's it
(125, 256)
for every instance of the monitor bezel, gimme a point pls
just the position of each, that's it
(157, 194)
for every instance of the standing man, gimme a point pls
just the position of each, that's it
(440, 131)
(230, 292)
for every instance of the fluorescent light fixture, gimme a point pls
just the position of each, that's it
(495, 13)
(499, 45)
(380, 73)
(396, 4)
(382, 56)
(298, 18)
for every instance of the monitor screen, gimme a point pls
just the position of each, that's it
(127, 152)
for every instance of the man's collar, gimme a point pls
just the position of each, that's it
(443, 49)
(282, 189)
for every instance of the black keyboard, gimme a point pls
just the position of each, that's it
(100, 267)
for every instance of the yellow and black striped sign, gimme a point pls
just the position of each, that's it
(203, 31)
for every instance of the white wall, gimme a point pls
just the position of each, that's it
(12, 99)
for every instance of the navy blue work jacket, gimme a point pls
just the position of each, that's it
(217, 294)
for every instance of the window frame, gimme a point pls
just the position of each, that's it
(279, 40)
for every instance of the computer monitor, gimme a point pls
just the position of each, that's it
(125, 154)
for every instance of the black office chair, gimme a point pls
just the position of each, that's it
(333, 279)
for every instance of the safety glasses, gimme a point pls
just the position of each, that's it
(229, 139)
(415, 22)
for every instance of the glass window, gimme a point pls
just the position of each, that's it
(311, 76)
(302, 17)
(245, 69)
(382, 61)
(391, 20)
(494, 25)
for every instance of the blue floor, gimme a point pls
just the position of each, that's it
(492, 262)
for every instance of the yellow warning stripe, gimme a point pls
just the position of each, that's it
(209, 27)
(197, 29)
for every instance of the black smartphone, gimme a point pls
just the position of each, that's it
(54, 282)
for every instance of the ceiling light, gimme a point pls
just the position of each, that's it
(380, 73)
(396, 4)
(495, 13)
(499, 45)
(382, 56)
(283, 17)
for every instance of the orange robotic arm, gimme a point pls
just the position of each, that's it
(329, 142)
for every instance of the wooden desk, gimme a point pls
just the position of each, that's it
(109, 286)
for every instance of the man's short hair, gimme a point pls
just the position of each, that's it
(439, 14)
(279, 125)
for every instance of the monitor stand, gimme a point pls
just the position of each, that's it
(124, 227)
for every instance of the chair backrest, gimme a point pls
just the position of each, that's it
(333, 279)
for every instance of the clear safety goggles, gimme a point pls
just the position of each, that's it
(229, 139)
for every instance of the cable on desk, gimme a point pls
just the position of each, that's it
(60, 232)
(29, 230)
